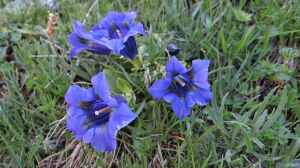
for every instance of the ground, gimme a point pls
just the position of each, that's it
(253, 120)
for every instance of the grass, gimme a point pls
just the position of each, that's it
(253, 120)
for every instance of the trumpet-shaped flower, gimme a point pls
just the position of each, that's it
(115, 34)
(95, 116)
(183, 88)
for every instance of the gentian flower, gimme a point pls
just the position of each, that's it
(81, 40)
(114, 34)
(121, 29)
(94, 116)
(183, 88)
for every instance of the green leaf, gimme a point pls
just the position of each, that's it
(275, 116)
(123, 86)
(137, 63)
(111, 77)
(241, 16)
(247, 38)
(296, 109)
(258, 143)
(206, 161)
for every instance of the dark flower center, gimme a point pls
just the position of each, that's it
(118, 30)
(98, 113)
(181, 84)
(86, 42)
(83, 41)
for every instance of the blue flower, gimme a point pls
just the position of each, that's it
(94, 116)
(121, 29)
(114, 34)
(183, 88)
(81, 40)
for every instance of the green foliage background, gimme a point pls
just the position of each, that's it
(253, 120)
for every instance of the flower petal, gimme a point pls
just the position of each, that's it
(99, 49)
(202, 96)
(76, 94)
(190, 99)
(121, 117)
(136, 28)
(89, 135)
(99, 33)
(180, 108)
(200, 73)
(130, 49)
(74, 52)
(74, 40)
(76, 44)
(175, 67)
(169, 97)
(130, 16)
(115, 45)
(103, 140)
(101, 86)
(111, 17)
(79, 30)
(117, 18)
(159, 88)
(75, 120)
(120, 99)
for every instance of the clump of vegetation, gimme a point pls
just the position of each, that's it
(252, 120)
